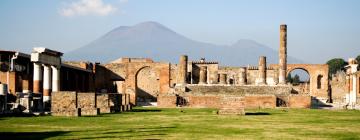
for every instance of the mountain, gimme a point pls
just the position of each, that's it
(153, 40)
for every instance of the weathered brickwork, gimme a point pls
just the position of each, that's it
(260, 101)
(64, 104)
(166, 101)
(233, 105)
(78, 104)
(299, 101)
(204, 101)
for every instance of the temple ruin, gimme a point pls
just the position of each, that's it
(42, 82)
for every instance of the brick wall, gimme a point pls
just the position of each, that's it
(299, 101)
(204, 101)
(232, 105)
(166, 101)
(64, 104)
(260, 101)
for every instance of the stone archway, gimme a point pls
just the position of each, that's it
(303, 85)
(315, 71)
(147, 85)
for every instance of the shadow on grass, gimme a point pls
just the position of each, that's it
(145, 110)
(257, 113)
(133, 133)
(17, 115)
(30, 135)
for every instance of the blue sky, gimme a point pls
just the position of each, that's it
(317, 29)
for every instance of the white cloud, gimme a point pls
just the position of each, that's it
(87, 7)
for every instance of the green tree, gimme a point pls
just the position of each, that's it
(335, 65)
(289, 79)
(296, 79)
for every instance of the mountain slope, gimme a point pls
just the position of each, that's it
(153, 40)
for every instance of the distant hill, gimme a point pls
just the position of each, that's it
(153, 40)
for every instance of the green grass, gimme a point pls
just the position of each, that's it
(153, 123)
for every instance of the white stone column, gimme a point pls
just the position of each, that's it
(37, 78)
(55, 79)
(47, 83)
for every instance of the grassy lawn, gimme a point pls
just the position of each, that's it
(153, 123)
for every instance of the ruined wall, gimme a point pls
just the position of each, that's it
(210, 101)
(64, 104)
(166, 101)
(299, 101)
(338, 87)
(260, 101)
(232, 105)
(67, 103)
(211, 74)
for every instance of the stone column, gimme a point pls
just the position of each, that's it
(223, 78)
(182, 70)
(353, 82)
(203, 73)
(283, 54)
(47, 84)
(37, 78)
(262, 70)
(242, 76)
(55, 79)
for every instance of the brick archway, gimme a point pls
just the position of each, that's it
(315, 71)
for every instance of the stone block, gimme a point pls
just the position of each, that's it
(88, 111)
(260, 101)
(64, 104)
(299, 101)
(204, 101)
(86, 100)
(232, 105)
(166, 101)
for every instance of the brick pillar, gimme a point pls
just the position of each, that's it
(37, 78)
(223, 78)
(283, 54)
(242, 76)
(262, 70)
(47, 84)
(203, 73)
(55, 79)
(182, 70)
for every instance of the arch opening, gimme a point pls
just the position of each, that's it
(147, 86)
(300, 79)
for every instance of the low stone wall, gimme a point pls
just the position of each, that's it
(109, 102)
(77, 104)
(260, 101)
(204, 101)
(233, 105)
(64, 104)
(166, 101)
(299, 101)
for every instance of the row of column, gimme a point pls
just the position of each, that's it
(49, 80)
